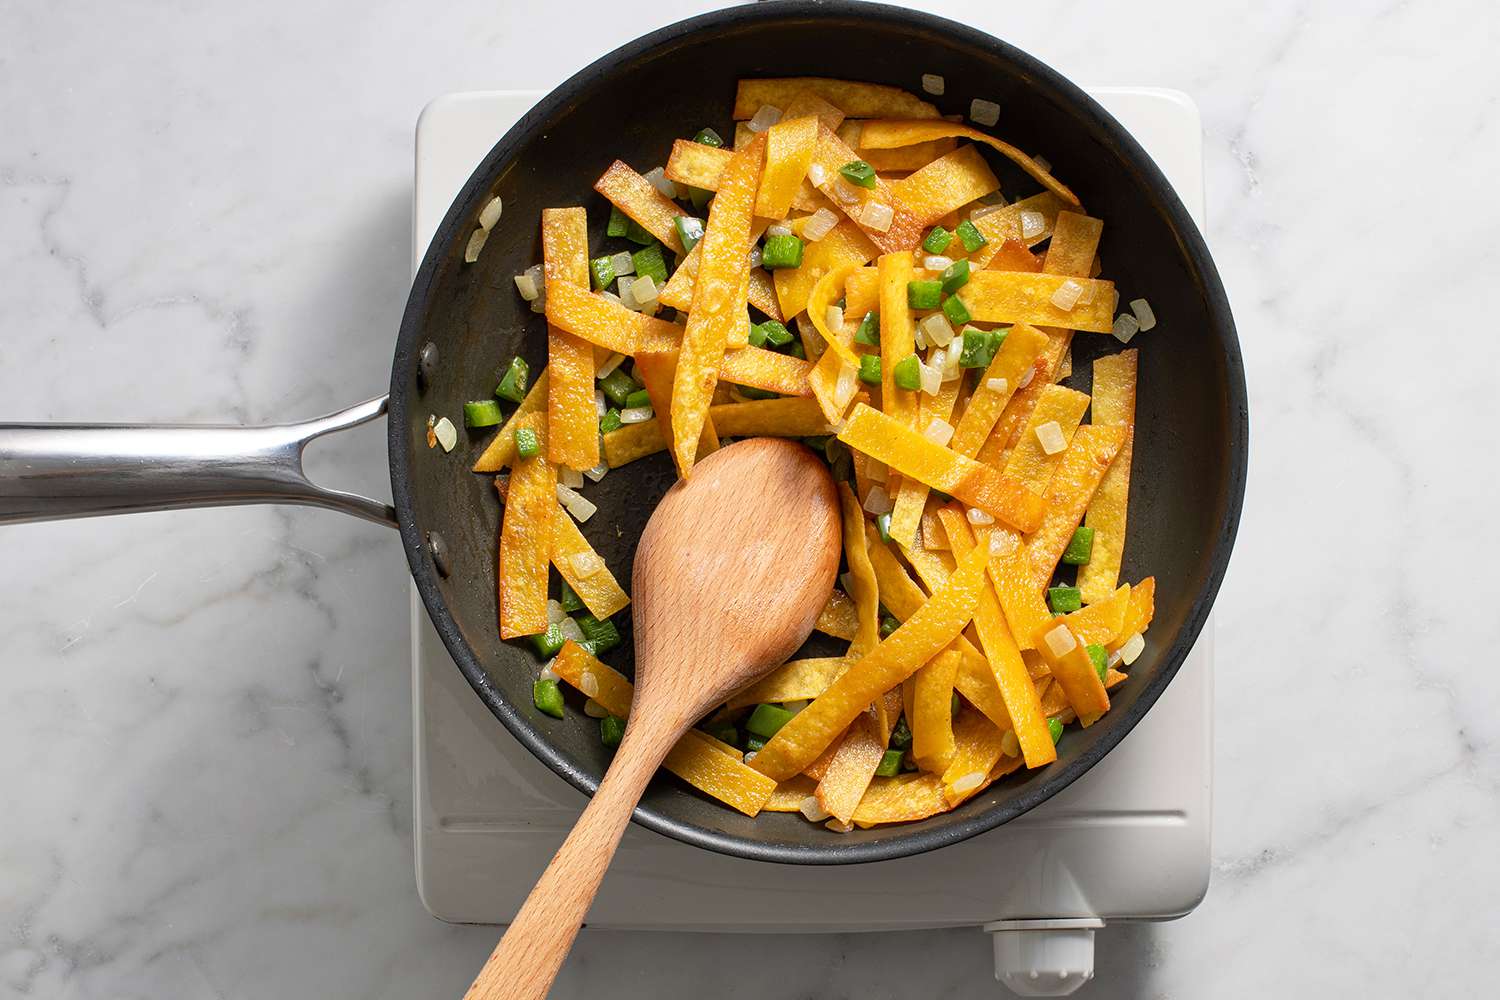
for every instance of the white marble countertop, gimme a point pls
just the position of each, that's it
(205, 214)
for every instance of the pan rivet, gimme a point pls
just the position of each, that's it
(438, 549)
(427, 362)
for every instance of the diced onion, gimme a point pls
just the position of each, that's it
(778, 229)
(875, 472)
(490, 214)
(555, 612)
(593, 709)
(1009, 745)
(1000, 385)
(1050, 437)
(1132, 649)
(973, 779)
(1033, 224)
(767, 116)
(932, 378)
(636, 414)
(950, 366)
(983, 210)
(937, 262)
(1026, 379)
(1042, 162)
(919, 338)
(626, 286)
(983, 112)
(575, 503)
(938, 330)
(932, 84)
(834, 318)
(644, 290)
(612, 297)
(837, 826)
(1060, 640)
(844, 192)
(1089, 292)
(658, 178)
(938, 431)
(813, 812)
(878, 501)
(819, 224)
(571, 478)
(571, 630)
(588, 683)
(816, 175)
(749, 756)
(1066, 296)
(977, 516)
(547, 673)
(847, 384)
(601, 405)
(476, 244)
(877, 216)
(755, 256)
(526, 287)
(446, 433)
(586, 564)
(795, 706)
(1125, 327)
(621, 263)
(1143, 314)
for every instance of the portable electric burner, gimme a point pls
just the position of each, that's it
(489, 815)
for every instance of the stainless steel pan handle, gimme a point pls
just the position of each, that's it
(50, 472)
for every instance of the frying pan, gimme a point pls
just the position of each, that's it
(463, 321)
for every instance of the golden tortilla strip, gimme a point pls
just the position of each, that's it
(608, 324)
(1013, 256)
(807, 102)
(699, 166)
(657, 373)
(902, 799)
(572, 424)
(1138, 615)
(891, 134)
(794, 680)
(828, 290)
(946, 184)
(1006, 225)
(1007, 432)
(786, 417)
(932, 532)
(849, 772)
(835, 381)
(979, 748)
(1114, 403)
(790, 794)
(861, 579)
(526, 539)
(761, 293)
(911, 498)
(636, 197)
(844, 244)
(913, 157)
(1099, 624)
(1017, 297)
(1015, 583)
(931, 720)
(897, 335)
(895, 230)
(908, 452)
(1075, 242)
(916, 641)
(768, 370)
(1084, 463)
(789, 151)
(583, 568)
(1015, 358)
(1029, 462)
(1073, 670)
(854, 98)
(633, 441)
(838, 617)
(501, 451)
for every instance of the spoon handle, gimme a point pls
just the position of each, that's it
(528, 957)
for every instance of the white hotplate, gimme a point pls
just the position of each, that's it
(1127, 841)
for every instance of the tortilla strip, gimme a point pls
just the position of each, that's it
(787, 417)
(1075, 241)
(1013, 256)
(1114, 403)
(824, 379)
(789, 150)
(1099, 624)
(1029, 462)
(1072, 668)
(861, 579)
(768, 370)
(1084, 463)
(901, 799)
(828, 290)
(526, 540)
(501, 451)
(999, 227)
(853, 98)
(849, 772)
(632, 442)
(806, 102)
(904, 230)
(1138, 615)
(911, 498)
(1016, 356)
(582, 567)
(794, 680)
(931, 536)
(913, 157)
(699, 166)
(790, 795)
(897, 336)
(915, 642)
(1015, 585)
(636, 197)
(572, 426)
(657, 373)
(678, 291)
(946, 184)
(608, 324)
(838, 618)
(1013, 418)
(890, 134)
(1017, 297)
(908, 452)
(979, 748)
(932, 715)
(844, 244)
(1011, 677)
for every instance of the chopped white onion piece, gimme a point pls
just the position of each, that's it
(1143, 314)
(838, 826)
(950, 366)
(977, 516)
(983, 112)
(1026, 379)
(644, 290)
(764, 118)
(749, 756)
(834, 318)
(938, 330)
(1066, 296)
(1033, 224)
(843, 192)
(1003, 543)
(593, 709)
(598, 472)
(571, 630)
(555, 612)
(1060, 640)
(937, 262)
(1000, 385)
(778, 229)
(932, 378)
(795, 706)
(636, 414)
(490, 214)
(526, 287)
(847, 383)
(1113, 660)
(588, 683)
(819, 225)
(878, 501)
(976, 214)
(612, 297)
(626, 285)
(755, 256)
(932, 84)
(586, 564)
(1009, 745)
(476, 244)
(938, 431)
(446, 433)
(1089, 291)
(973, 779)
(547, 673)
(1132, 649)
(812, 811)
(1050, 437)
(658, 178)
(1042, 162)
(816, 175)
(601, 405)
(621, 263)
(877, 216)
(1125, 327)
(575, 503)
(571, 478)
(920, 338)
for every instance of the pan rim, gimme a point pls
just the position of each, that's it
(1195, 256)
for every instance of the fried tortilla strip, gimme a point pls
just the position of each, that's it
(1011, 677)
(838, 617)
(828, 290)
(1029, 462)
(936, 624)
(845, 244)
(1072, 668)
(891, 134)
(633, 441)
(501, 451)
(901, 799)
(658, 372)
(911, 498)
(678, 291)
(849, 772)
(1114, 403)
(1075, 241)
(1015, 358)
(1084, 463)
(768, 370)
(636, 197)
(572, 425)
(1000, 227)
(1013, 256)
(1017, 297)
(979, 748)
(853, 98)
(787, 417)
(913, 157)
(1013, 418)
(862, 292)
(897, 336)
(794, 680)
(932, 537)
(583, 568)
(932, 713)
(835, 381)
(897, 230)
(946, 184)
(861, 580)
(789, 150)
(699, 166)
(718, 301)
(1015, 585)
(790, 795)
(526, 539)
(1138, 615)
(908, 452)
(1099, 624)
(608, 324)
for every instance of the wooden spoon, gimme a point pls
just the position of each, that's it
(730, 575)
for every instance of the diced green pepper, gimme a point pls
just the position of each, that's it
(709, 137)
(601, 272)
(527, 444)
(955, 276)
(924, 294)
(699, 197)
(796, 350)
(908, 373)
(689, 230)
(482, 413)
(650, 263)
(569, 598)
(773, 333)
(1064, 600)
(901, 735)
(888, 623)
(638, 399)
(756, 336)
(883, 525)
(619, 222)
(611, 730)
(979, 347)
(937, 241)
(601, 634)
(953, 704)
(754, 744)
(618, 386)
(547, 697)
(970, 236)
(549, 642)
(890, 764)
(869, 330)
(859, 172)
(1100, 656)
(610, 421)
(751, 392)
(954, 308)
(767, 720)
(781, 251)
(513, 383)
(1054, 729)
(723, 732)
(1080, 547)
(869, 369)
(637, 234)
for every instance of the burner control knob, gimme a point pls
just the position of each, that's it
(1044, 958)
